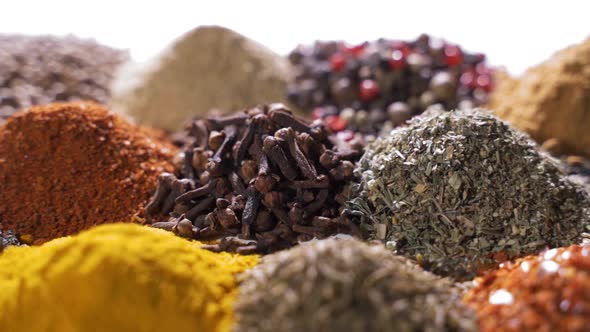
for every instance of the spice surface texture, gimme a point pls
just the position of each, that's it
(118, 277)
(462, 191)
(551, 101)
(67, 167)
(547, 293)
(257, 181)
(207, 68)
(38, 70)
(346, 285)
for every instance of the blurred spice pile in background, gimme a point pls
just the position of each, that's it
(37, 70)
(207, 68)
(383, 83)
(551, 101)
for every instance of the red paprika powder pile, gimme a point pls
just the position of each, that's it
(68, 166)
(546, 293)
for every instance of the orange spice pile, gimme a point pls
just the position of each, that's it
(547, 292)
(67, 167)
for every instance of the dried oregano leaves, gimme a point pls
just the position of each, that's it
(346, 285)
(462, 190)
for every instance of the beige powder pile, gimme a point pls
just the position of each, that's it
(551, 101)
(207, 68)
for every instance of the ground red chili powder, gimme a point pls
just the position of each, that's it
(548, 292)
(66, 167)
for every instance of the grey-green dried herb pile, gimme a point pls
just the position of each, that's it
(462, 191)
(346, 285)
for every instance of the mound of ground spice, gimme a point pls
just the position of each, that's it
(207, 68)
(119, 277)
(37, 70)
(548, 292)
(551, 101)
(66, 167)
(346, 285)
(462, 191)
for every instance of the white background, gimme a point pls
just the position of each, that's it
(515, 34)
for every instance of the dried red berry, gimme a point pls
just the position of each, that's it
(335, 123)
(369, 90)
(337, 62)
(397, 60)
(453, 55)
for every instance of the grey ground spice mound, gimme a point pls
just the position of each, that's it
(462, 191)
(37, 70)
(346, 285)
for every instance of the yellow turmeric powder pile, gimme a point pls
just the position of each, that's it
(118, 277)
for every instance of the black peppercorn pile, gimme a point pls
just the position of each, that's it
(257, 181)
(43, 69)
(364, 87)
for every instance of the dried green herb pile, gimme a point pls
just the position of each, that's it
(462, 191)
(257, 181)
(346, 285)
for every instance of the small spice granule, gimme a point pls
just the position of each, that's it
(549, 292)
(258, 181)
(551, 101)
(207, 68)
(120, 277)
(461, 191)
(346, 285)
(66, 167)
(37, 70)
(8, 238)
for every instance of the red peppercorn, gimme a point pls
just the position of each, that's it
(481, 68)
(317, 113)
(337, 62)
(369, 90)
(335, 123)
(398, 45)
(397, 60)
(453, 55)
(355, 50)
(468, 79)
(484, 82)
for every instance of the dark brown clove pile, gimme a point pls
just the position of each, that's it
(257, 181)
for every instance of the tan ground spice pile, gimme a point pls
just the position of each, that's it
(66, 167)
(551, 101)
(208, 67)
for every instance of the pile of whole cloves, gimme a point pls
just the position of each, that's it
(257, 181)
